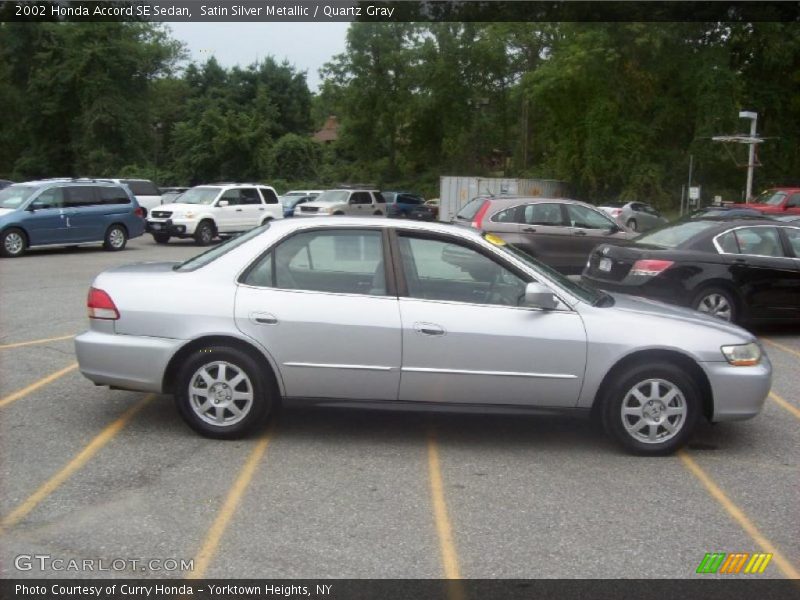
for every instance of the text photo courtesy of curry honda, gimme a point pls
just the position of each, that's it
(342, 306)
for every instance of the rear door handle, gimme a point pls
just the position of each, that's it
(529, 230)
(428, 329)
(238, 210)
(261, 318)
(579, 232)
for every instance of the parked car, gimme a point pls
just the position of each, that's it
(302, 193)
(561, 233)
(400, 204)
(145, 191)
(290, 203)
(493, 330)
(170, 194)
(736, 270)
(722, 212)
(4, 183)
(776, 201)
(67, 212)
(636, 216)
(356, 202)
(429, 211)
(208, 211)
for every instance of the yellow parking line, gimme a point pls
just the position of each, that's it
(74, 465)
(36, 385)
(34, 342)
(443, 527)
(781, 346)
(226, 512)
(784, 404)
(738, 515)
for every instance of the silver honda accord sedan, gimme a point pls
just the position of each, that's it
(376, 312)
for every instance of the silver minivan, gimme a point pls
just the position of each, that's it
(357, 203)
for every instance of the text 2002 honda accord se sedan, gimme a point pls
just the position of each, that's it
(376, 312)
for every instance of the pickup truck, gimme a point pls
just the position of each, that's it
(776, 201)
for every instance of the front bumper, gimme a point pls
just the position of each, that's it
(172, 227)
(739, 392)
(125, 361)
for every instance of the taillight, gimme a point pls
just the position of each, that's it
(101, 306)
(616, 212)
(477, 221)
(650, 268)
(139, 212)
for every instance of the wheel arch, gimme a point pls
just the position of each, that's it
(674, 357)
(724, 284)
(174, 365)
(21, 228)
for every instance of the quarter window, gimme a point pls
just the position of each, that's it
(586, 218)
(269, 196)
(113, 195)
(141, 187)
(442, 270)
(343, 261)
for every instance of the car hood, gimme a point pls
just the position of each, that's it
(646, 306)
(324, 204)
(176, 206)
(5, 211)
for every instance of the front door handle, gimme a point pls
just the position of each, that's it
(579, 232)
(428, 328)
(529, 230)
(262, 318)
(238, 210)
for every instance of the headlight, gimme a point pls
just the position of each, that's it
(744, 355)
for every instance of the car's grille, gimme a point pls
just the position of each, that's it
(161, 214)
(309, 209)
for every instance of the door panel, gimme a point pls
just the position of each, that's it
(48, 223)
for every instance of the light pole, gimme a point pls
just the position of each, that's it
(751, 157)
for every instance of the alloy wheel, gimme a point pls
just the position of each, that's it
(220, 393)
(13, 243)
(654, 411)
(716, 305)
(116, 238)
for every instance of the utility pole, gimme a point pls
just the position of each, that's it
(751, 156)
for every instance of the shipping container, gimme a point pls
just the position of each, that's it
(455, 192)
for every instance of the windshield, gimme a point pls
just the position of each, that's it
(770, 197)
(290, 201)
(214, 253)
(581, 291)
(15, 195)
(675, 235)
(200, 195)
(333, 197)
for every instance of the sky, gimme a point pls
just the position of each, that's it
(307, 46)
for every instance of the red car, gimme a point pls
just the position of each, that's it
(776, 201)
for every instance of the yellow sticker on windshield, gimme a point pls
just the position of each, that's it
(493, 239)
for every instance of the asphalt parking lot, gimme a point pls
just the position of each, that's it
(89, 473)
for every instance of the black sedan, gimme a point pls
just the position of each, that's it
(736, 270)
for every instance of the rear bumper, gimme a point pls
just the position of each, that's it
(739, 392)
(125, 361)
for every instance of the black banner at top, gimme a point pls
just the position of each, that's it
(399, 11)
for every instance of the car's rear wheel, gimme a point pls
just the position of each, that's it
(204, 233)
(161, 238)
(267, 220)
(633, 225)
(13, 243)
(116, 238)
(222, 393)
(651, 409)
(716, 302)
(377, 213)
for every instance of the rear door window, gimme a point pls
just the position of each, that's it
(249, 196)
(759, 241)
(113, 195)
(81, 195)
(543, 214)
(360, 198)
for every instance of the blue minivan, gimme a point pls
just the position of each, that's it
(67, 212)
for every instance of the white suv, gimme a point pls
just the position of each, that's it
(207, 211)
(363, 202)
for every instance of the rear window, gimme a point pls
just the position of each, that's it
(672, 237)
(141, 187)
(470, 209)
(214, 253)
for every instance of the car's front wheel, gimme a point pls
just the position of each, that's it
(651, 409)
(116, 238)
(13, 243)
(204, 233)
(222, 393)
(161, 238)
(633, 225)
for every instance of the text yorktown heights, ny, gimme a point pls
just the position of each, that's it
(171, 590)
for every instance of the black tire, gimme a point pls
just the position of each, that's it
(204, 234)
(116, 238)
(632, 225)
(338, 214)
(13, 243)
(377, 213)
(190, 404)
(161, 238)
(640, 377)
(265, 221)
(717, 302)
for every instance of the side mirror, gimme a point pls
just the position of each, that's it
(223, 203)
(540, 296)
